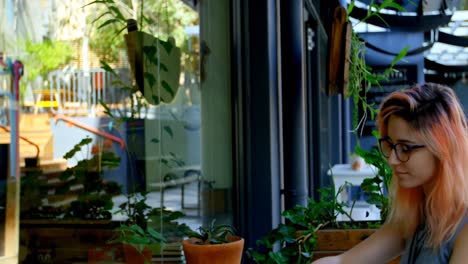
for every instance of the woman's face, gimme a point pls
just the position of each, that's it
(421, 166)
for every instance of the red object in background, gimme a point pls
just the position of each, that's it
(135, 257)
(104, 146)
(97, 254)
(2, 62)
(99, 80)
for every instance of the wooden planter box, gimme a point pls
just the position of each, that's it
(63, 241)
(336, 241)
(80, 241)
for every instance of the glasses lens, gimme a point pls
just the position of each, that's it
(402, 152)
(385, 148)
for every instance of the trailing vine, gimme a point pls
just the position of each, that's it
(361, 77)
(361, 80)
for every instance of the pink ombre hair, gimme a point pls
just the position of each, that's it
(434, 111)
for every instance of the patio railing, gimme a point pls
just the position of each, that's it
(78, 92)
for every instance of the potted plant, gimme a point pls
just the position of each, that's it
(135, 209)
(166, 221)
(297, 237)
(311, 232)
(94, 199)
(138, 212)
(152, 30)
(155, 70)
(213, 244)
(136, 242)
(155, 63)
(85, 221)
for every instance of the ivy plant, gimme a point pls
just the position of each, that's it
(295, 240)
(94, 200)
(377, 186)
(136, 236)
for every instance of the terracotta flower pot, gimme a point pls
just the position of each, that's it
(98, 254)
(134, 257)
(228, 253)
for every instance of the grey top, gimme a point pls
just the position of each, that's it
(416, 253)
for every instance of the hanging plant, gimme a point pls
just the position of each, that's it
(361, 76)
(361, 79)
(155, 63)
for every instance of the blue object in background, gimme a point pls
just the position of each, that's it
(355, 193)
(9, 11)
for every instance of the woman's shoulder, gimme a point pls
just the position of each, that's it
(460, 246)
(460, 243)
(461, 228)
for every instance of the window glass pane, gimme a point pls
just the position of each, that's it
(8, 166)
(120, 143)
(110, 154)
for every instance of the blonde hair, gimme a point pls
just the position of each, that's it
(434, 111)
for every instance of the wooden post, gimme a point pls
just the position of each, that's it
(339, 53)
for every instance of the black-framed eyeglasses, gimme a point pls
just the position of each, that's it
(402, 150)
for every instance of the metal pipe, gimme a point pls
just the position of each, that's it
(294, 104)
(91, 129)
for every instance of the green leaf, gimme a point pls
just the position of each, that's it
(95, 2)
(167, 46)
(66, 174)
(100, 16)
(150, 51)
(155, 99)
(120, 30)
(400, 56)
(107, 110)
(278, 258)
(392, 4)
(77, 148)
(167, 88)
(157, 237)
(350, 8)
(163, 67)
(381, 18)
(117, 13)
(107, 67)
(150, 78)
(168, 130)
(108, 22)
(193, 234)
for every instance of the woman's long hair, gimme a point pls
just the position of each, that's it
(436, 115)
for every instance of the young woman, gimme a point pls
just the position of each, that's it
(424, 136)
